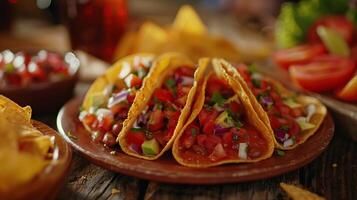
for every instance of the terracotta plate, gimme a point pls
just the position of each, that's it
(166, 169)
(46, 185)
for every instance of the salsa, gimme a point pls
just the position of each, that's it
(221, 131)
(156, 124)
(23, 68)
(288, 118)
(110, 107)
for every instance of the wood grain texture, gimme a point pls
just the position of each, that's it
(332, 175)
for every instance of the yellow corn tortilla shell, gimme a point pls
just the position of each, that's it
(161, 67)
(203, 72)
(19, 165)
(316, 119)
(113, 75)
(297, 193)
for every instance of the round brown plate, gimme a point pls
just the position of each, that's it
(49, 181)
(166, 169)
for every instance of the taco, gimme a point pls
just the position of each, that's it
(223, 126)
(293, 118)
(160, 108)
(109, 98)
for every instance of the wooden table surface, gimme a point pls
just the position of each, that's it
(333, 175)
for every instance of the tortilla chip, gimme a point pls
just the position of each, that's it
(187, 20)
(161, 66)
(23, 149)
(316, 119)
(202, 74)
(297, 193)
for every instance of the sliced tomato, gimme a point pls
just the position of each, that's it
(323, 74)
(163, 95)
(206, 115)
(349, 91)
(135, 137)
(135, 81)
(156, 120)
(338, 23)
(234, 106)
(105, 124)
(297, 55)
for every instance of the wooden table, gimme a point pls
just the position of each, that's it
(333, 175)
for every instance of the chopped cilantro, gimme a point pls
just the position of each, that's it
(170, 83)
(193, 131)
(257, 83)
(284, 128)
(280, 152)
(238, 124)
(217, 98)
(137, 129)
(252, 69)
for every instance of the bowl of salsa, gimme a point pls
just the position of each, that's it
(43, 79)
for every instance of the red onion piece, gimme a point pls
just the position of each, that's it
(117, 98)
(218, 129)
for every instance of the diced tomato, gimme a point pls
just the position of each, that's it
(188, 141)
(324, 74)
(294, 128)
(119, 108)
(135, 137)
(283, 109)
(208, 128)
(173, 119)
(215, 84)
(296, 112)
(201, 139)
(89, 119)
(243, 71)
(135, 81)
(105, 124)
(163, 95)
(206, 115)
(185, 71)
(349, 91)
(234, 106)
(297, 55)
(211, 142)
(338, 23)
(274, 122)
(227, 138)
(156, 120)
(182, 90)
(218, 153)
(131, 97)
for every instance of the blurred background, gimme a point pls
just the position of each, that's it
(96, 26)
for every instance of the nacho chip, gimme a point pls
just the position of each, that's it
(297, 193)
(188, 21)
(23, 149)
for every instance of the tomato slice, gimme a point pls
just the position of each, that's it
(323, 74)
(156, 120)
(349, 91)
(297, 55)
(163, 95)
(135, 137)
(338, 23)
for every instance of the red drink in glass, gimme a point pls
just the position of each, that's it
(96, 26)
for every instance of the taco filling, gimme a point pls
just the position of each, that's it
(288, 117)
(156, 124)
(221, 131)
(109, 107)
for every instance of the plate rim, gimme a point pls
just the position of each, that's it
(141, 173)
